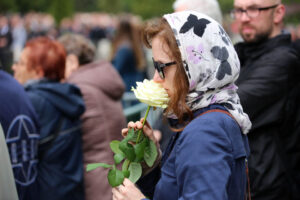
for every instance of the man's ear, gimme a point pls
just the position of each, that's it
(279, 14)
(72, 64)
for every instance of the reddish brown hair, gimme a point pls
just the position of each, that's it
(177, 104)
(49, 55)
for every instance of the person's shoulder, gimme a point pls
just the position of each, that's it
(280, 47)
(279, 56)
(14, 96)
(296, 47)
(125, 49)
(211, 125)
(214, 130)
(98, 77)
(219, 119)
(209, 133)
(9, 83)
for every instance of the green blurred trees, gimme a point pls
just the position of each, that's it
(7, 6)
(61, 9)
(65, 8)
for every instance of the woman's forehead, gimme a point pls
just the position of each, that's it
(160, 50)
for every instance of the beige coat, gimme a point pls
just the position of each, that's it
(102, 89)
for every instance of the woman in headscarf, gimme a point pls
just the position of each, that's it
(206, 158)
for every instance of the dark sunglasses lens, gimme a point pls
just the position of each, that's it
(159, 69)
(161, 74)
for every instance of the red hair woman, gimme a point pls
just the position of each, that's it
(59, 106)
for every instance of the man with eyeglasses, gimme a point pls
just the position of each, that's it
(267, 62)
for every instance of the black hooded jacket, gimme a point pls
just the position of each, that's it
(268, 72)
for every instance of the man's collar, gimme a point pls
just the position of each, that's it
(254, 50)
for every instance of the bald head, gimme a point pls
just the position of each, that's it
(208, 7)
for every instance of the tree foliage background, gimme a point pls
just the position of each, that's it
(64, 8)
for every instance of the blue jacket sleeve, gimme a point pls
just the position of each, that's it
(203, 159)
(123, 59)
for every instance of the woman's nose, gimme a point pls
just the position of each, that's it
(156, 77)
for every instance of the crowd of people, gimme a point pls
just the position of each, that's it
(233, 117)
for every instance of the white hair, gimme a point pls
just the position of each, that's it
(208, 7)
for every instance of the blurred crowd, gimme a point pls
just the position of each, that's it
(15, 30)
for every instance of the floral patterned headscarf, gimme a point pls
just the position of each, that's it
(210, 62)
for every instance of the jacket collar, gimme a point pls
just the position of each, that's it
(175, 124)
(255, 50)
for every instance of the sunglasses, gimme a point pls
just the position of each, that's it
(160, 67)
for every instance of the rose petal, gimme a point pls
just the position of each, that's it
(151, 93)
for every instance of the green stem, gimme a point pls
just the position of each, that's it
(127, 166)
(141, 130)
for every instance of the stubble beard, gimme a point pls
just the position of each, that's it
(258, 37)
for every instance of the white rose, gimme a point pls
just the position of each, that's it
(151, 93)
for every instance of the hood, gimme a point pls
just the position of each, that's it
(102, 75)
(65, 97)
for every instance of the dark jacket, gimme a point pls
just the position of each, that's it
(124, 62)
(204, 161)
(60, 167)
(102, 122)
(21, 130)
(296, 46)
(266, 76)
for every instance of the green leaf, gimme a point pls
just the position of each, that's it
(134, 137)
(93, 166)
(131, 134)
(118, 158)
(127, 149)
(114, 145)
(126, 173)
(115, 177)
(150, 153)
(125, 165)
(135, 170)
(139, 150)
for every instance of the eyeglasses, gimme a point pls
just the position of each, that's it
(251, 12)
(160, 67)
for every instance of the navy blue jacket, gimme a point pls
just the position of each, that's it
(125, 63)
(21, 129)
(60, 167)
(206, 161)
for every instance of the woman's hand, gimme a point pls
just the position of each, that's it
(127, 191)
(148, 131)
